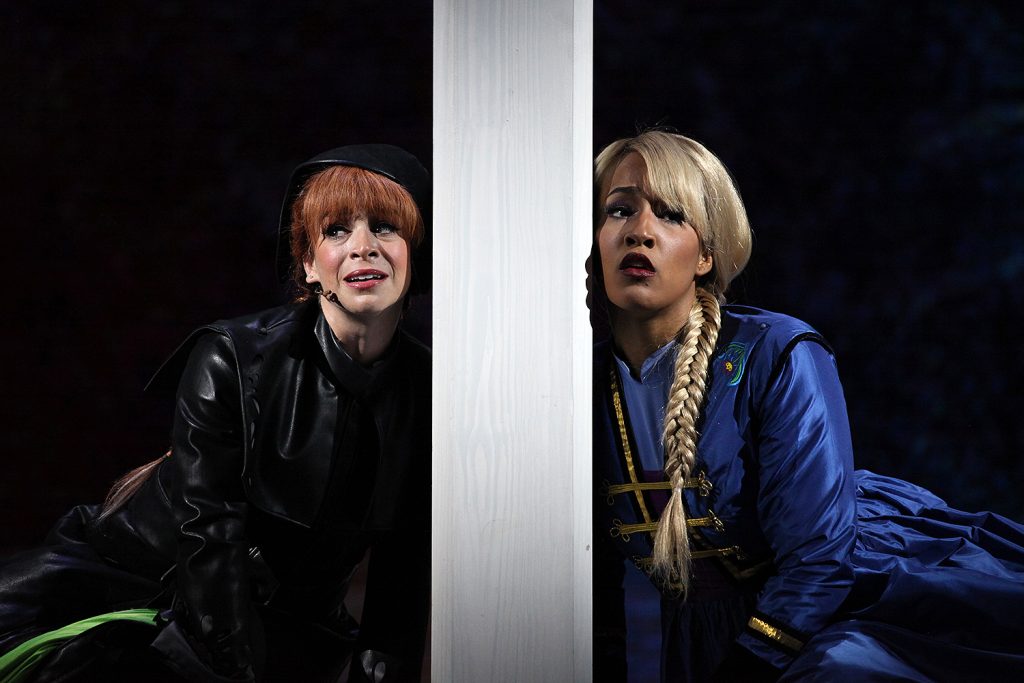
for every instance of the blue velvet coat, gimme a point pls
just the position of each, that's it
(793, 551)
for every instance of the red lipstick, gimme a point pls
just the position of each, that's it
(636, 265)
(365, 278)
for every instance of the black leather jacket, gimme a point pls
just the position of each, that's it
(288, 461)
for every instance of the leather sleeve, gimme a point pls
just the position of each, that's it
(394, 624)
(213, 597)
(805, 502)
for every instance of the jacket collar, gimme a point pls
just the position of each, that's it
(350, 375)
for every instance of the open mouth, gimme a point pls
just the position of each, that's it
(637, 266)
(365, 277)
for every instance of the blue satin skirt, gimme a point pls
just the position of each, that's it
(938, 594)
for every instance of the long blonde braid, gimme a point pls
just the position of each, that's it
(671, 556)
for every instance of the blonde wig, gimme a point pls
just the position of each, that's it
(671, 556)
(687, 178)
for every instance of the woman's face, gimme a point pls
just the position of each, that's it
(650, 257)
(366, 264)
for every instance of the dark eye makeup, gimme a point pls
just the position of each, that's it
(378, 228)
(619, 211)
(663, 213)
(671, 216)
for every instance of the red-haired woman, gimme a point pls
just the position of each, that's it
(300, 441)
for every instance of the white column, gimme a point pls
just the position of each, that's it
(512, 344)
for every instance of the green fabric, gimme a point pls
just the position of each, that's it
(17, 664)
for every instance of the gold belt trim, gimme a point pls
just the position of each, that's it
(717, 552)
(774, 633)
(700, 482)
(623, 531)
(645, 563)
(711, 520)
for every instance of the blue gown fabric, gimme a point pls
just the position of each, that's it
(938, 594)
(837, 575)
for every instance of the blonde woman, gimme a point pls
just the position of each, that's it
(724, 470)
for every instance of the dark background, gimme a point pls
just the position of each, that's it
(879, 148)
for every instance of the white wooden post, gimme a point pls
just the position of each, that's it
(512, 344)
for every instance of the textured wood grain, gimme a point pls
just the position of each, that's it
(511, 480)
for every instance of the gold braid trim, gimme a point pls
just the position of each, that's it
(646, 563)
(626, 450)
(774, 633)
(700, 482)
(620, 529)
